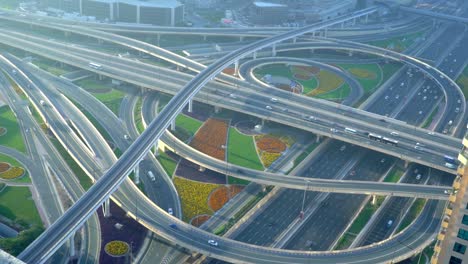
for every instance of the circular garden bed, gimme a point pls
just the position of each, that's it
(12, 172)
(4, 167)
(199, 220)
(116, 248)
(220, 196)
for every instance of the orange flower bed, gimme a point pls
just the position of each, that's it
(219, 197)
(271, 144)
(229, 71)
(211, 137)
(199, 220)
(4, 167)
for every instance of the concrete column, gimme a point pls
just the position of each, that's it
(241, 38)
(374, 199)
(273, 50)
(156, 147)
(190, 106)
(317, 138)
(406, 164)
(138, 14)
(294, 40)
(100, 41)
(204, 37)
(236, 67)
(255, 55)
(354, 21)
(173, 125)
(137, 174)
(325, 32)
(217, 109)
(106, 208)
(366, 18)
(263, 122)
(100, 77)
(72, 245)
(158, 39)
(313, 33)
(342, 24)
(172, 17)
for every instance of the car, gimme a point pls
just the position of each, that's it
(420, 144)
(126, 136)
(418, 177)
(333, 130)
(402, 84)
(233, 96)
(424, 98)
(343, 148)
(417, 148)
(431, 133)
(457, 110)
(389, 223)
(212, 242)
(386, 97)
(173, 226)
(450, 165)
(397, 96)
(436, 97)
(382, 120)
(269, 107)
(170, 211)
(274, 100)
(420, 112)
(312, 118)
(446, 191)
(393, 133)
(458, 101)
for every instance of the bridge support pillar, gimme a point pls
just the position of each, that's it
(317, 138)
(217, 109)
(241, 38)
(406, 164)
(366, 18)
(106, 208)
(374, 199)
(173, 125)
(66, 34)
(354, 21)
(204, 37)
(156, 148)
(342, 24)
(100, 41)
(137, 174)
(325, 32)
(236, 68)
(100, 77)
(254, 55)
(72, 245)
(294, 40)
(158, 39)
(190, 106)
(263, 122)
(273, 50)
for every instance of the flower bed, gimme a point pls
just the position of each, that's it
(302, 77)
(219, 197)
(328, 81)
(194, 197)
(4, 167)
(199, 220)
(116, 248)
(268, 158)
(12, 173)
(2, 131)
(270, 144)
(211, 137)
(307, 69)
(362, 73)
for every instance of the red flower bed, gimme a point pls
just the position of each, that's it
(199, 220)
(219, 197)
(302, 77)
(271, 144)
(229, 71)
(4, 167)
(211, 137)
(311, 69)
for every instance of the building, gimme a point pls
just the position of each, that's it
(154, 12)
(452, 239)
(267, 13)
(322, 10)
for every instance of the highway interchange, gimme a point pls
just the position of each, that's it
(265, 99)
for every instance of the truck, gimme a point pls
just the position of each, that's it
(151, 176)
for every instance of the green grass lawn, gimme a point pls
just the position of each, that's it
(16, 203)
(51, 67)
(242, 152)
(399, 43)
(13, 137)
(167, 162)
(368, 84)
(394, 175)
(337, 94)
(188, 124)
(138, 117)
(462, 81)
(83, 178)
(110, 97)
(9, 4)
(413, 212)
(388, 69)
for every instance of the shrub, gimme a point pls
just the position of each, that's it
(116, 248)
(12, 173)
(4, 167)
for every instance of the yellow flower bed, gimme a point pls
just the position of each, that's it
(194, 197)
(328, 81)
(116, 248)
(362, 73)
(268, 158)
(12, 173)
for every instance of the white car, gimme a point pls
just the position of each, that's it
(170, 211)
(269, 107)
(233, 96)
(393, 133)
(418, 177)
(274, 100)
(212, 242)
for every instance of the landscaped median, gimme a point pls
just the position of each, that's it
(271, 147)
(116, 248)
(211, 138)
(242, 151)
(11, 135)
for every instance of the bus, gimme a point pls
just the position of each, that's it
(95, 66)
(450, 159)
(350, 130)
(375, 137)
(390, 141)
